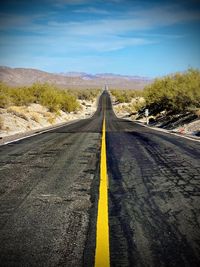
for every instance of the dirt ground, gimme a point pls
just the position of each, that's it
(22, 119)
(184, 123)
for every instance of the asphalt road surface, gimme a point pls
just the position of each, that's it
(49, 194)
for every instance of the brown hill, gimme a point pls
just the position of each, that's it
(25, 76)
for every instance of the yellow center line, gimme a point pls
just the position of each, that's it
(102, 253)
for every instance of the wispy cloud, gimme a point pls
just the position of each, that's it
(165, 15)
(84, 27)
(131, 21)
(93, 10)
(102, 34)
(131, 24)
(69, 2)
(113, 43)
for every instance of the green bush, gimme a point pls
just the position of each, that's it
(177, 92)
(45, 94)
(125, 96)
(85, 94)
(4, 95)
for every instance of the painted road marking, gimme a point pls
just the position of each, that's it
(102, 253)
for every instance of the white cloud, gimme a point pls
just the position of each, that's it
(127, 23)
(96, 35)
(61, 3)
(165, 15)
(121, 23)
(112, 43)
(93, 10)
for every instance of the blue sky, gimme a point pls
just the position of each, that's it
(147, 38)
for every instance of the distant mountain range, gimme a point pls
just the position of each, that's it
(26, 76)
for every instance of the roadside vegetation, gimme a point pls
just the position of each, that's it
(176, 93)
(173, 102)
(85, 94)
(127, 101)
(125, 96)
(45, 94)
(40, 105)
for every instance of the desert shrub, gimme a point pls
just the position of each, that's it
(69, 101)
(35, 117)
(51, 119)
(17, 96)
(53, 98)
(4, 95)
(125, 96)
(47, 114)
(19, 112)
(1, 123)
(177, 92)
(138, 105)
(21, 96)
(198, 113)
(85, 94)
(45, 94)
(4, 100)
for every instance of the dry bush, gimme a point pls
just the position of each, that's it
(1, 123)
(125, 96)
(35, 117)
(4, 95)
(198, 113)
(85, 94)
(58, 113)
(51, 119)
(19, 112)
(118, 109)
(47, 115)
(138, 105)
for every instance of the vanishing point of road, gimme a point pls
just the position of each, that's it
(51, 211)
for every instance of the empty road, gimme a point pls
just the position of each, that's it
(49, 191)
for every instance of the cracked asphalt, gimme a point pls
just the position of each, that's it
(49, 193)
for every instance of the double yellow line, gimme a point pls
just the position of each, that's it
(102, 253)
